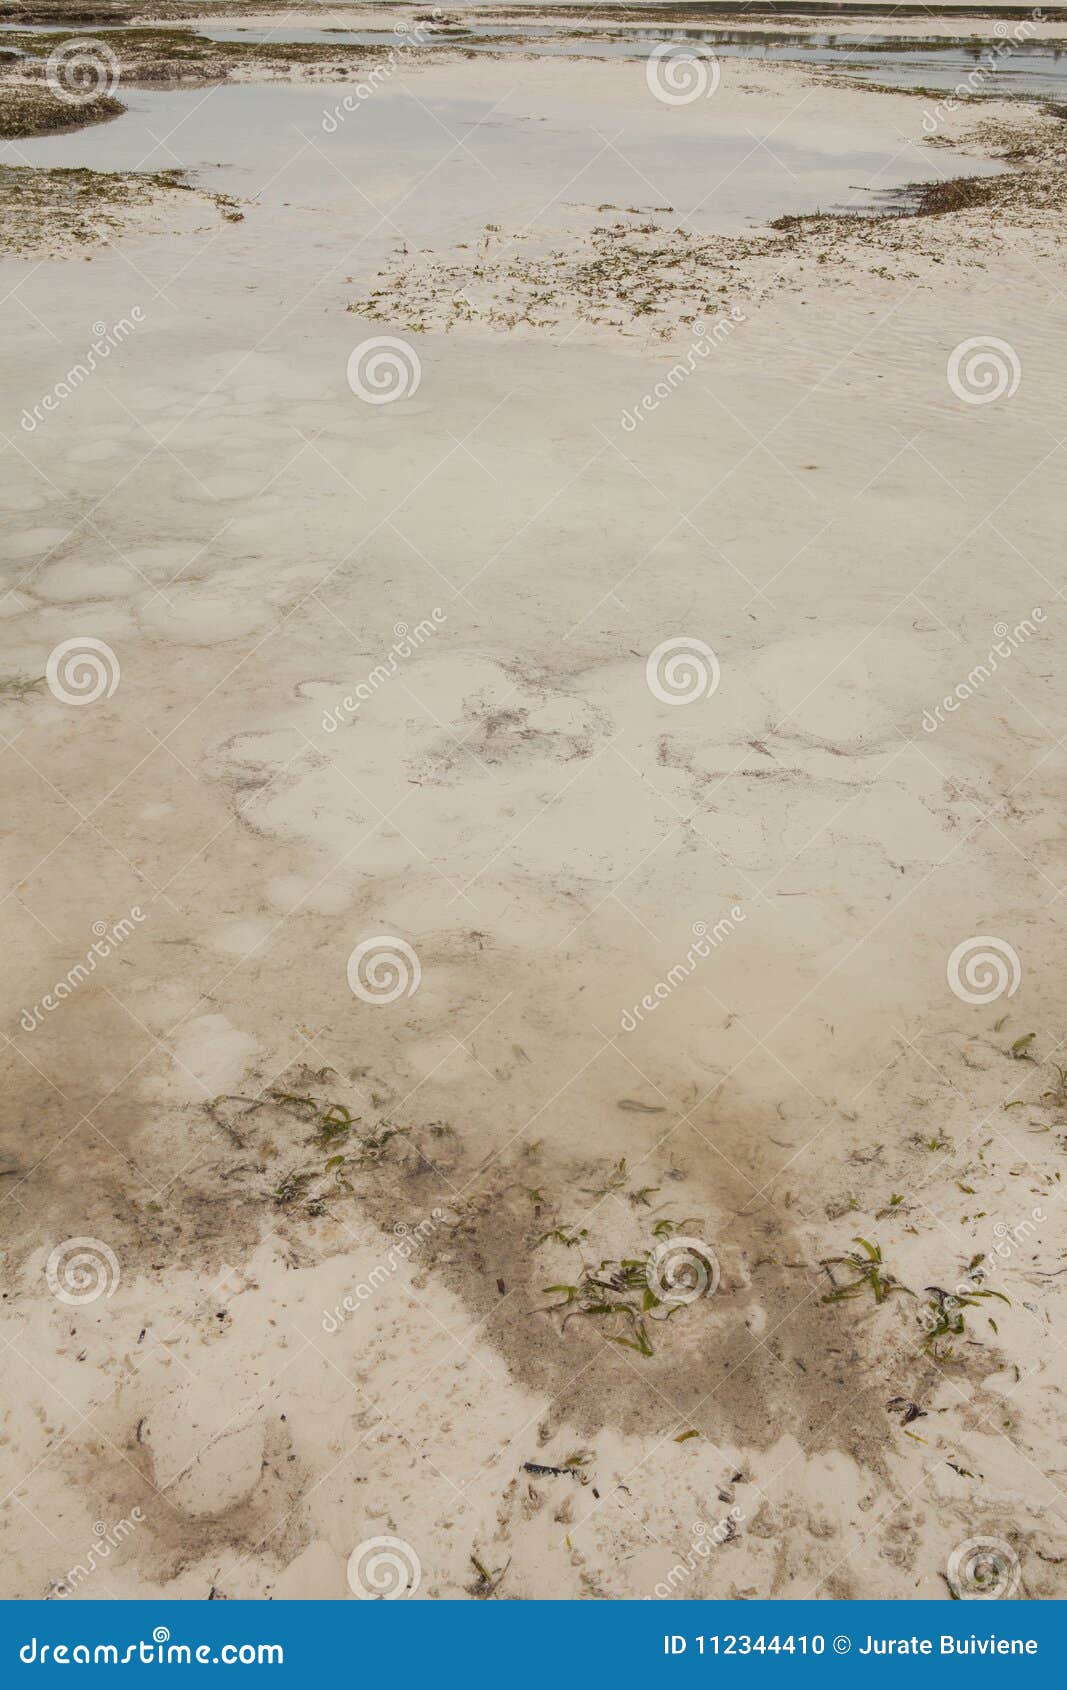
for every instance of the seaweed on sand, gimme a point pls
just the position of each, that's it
(869, 1274)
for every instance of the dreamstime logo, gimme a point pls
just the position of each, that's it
(679, 74)
(705, 1538)
(83, 70)
(681, 1270)
(1006, 642)
(983, 968)
(160, 1650)
(384, 369)
(425, 28)
(706, 337)
(106, 1538)
(406, 642)
(384, 968)
(107, 940)
(380, 1569)
(81, 1270)
(705, 939)
(106, 337)
(976, 79)
(680, 671)
(983, 1570)
(1008, 1237)
(81, 670)
(984, 1268)
(983, 369)
(408, 1240)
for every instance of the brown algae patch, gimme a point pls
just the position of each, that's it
(56, 211)
(169, 56)
(28, 109)
(559, 1260)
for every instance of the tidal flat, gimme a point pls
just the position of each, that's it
(533, 753)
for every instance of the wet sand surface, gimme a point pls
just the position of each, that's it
(510, 786)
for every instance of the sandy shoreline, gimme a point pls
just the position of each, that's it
(395, 670)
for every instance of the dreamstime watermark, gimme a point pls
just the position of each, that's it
(682, 670)
(983, 968)
(382, 969)
(983, 1271)
(705, 1538)
(382, 1569)
(975, 80)
(82, 1270)
(983, 369)
(677, 73)
(706, 337)
(106, 337)
(682, 1270)
(409, 1239)
(384, 369)
(1007, 641)
(107, 941)
(983, 1569)
(160, 1651)
(705, 940)
(81, 670)
(82, 70)
(406, 641)
(1009, 1238)
(407, 37)
(105, 1539)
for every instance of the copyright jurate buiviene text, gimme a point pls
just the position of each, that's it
(741, 1643)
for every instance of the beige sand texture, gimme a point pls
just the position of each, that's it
(507, 781)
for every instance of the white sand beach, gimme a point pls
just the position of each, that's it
(583, 775)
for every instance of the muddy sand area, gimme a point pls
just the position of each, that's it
(533, 744)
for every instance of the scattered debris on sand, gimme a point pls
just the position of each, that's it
(59, 211)
(642, 274)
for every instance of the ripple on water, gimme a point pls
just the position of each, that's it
(201, 621)
(150, 399)
(79, 581)
(21, 499)
(240, 938)
(162, 563)
(235, 485)
(94, 451)
(33, 542)
(291, 891)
